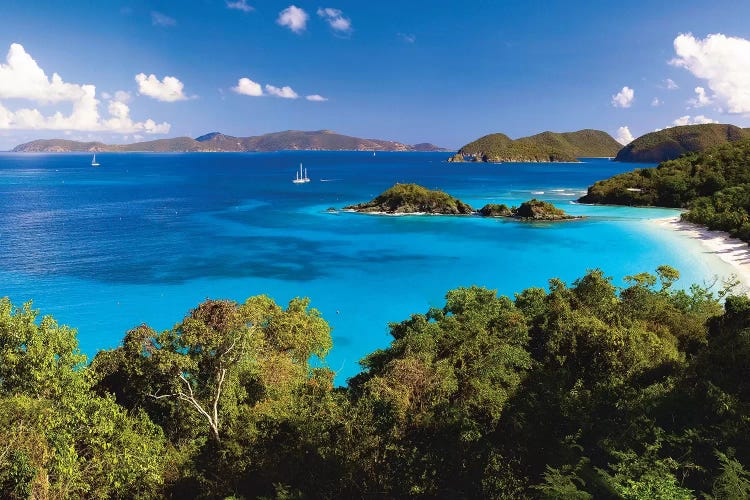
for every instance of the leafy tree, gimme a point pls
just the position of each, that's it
(733, 481)
(227, 382)
(57, 438)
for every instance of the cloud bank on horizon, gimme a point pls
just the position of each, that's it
(21, 78)
(623, 135)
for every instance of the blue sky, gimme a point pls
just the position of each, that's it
(418, 71)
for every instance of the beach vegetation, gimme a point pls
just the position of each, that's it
(713, 187)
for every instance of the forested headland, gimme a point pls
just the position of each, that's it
(582, 390)
(714, 187)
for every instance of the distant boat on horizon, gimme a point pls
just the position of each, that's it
(93, 161)
(301, 177)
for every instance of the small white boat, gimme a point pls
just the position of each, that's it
(93, 161)
(301, 176)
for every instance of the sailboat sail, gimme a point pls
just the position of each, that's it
(300, 176)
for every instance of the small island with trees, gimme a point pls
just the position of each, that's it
(413, 199)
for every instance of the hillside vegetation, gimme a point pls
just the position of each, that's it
(673, 142)
(416, 199)
(323, 140)
(413, 198)
(575, 391)
(543, 147)
(713, 185)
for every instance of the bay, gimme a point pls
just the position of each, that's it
(146, 237)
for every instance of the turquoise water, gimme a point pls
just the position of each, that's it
(146, 237)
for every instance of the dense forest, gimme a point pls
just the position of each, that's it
(714, 187)
(577, 391)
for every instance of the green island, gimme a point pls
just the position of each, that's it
(673, 142)
(577, 391)
(543, 147)
(403, 199)
(532, 210)
(714, 187)
(413, 199)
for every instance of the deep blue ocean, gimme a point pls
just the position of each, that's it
(144, 238)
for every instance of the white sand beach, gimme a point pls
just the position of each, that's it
(719, 244)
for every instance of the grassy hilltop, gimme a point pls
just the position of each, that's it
(673, 142)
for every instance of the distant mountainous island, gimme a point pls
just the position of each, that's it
(543, 147)
(673, 142)
(319, 140)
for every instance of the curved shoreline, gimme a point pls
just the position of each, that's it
(732, 251)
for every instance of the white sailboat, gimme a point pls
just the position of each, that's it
(93, 161)
(301, 176)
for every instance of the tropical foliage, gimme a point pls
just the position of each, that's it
(413, 198)
(581, 391)
(713, 185)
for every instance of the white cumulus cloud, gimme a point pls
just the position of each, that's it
(336, 19)
(683, 120)
(695, 120)
(21, 78)
(240, 5)
(284, 92)
(169, 89)
(316, 98)
(723, 62)
(656, 102)
(246, 86)
(623, 135)
(122, 96)
(293, 18)
(700, 99)
(624, 98)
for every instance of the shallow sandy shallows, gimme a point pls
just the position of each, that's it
(733, 251)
